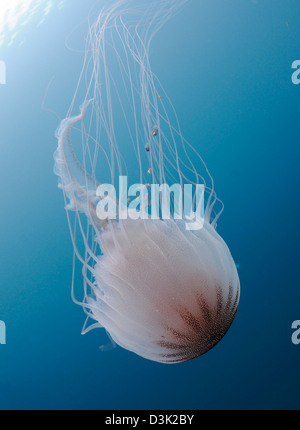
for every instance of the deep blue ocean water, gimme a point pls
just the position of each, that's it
(227, 68)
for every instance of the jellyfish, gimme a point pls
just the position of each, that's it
(164, 292)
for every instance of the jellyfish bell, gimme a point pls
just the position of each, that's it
(161, 290)
(167, 294)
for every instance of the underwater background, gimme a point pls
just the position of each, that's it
(227, 67)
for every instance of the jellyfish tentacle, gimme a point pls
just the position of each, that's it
(79, 187)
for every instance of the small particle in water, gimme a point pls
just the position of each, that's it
(155, 131)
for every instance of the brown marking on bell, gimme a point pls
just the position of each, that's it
(202, 330)
(206, 313)
(219, 300)
(178, 335)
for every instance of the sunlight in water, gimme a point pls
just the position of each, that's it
(16, 14)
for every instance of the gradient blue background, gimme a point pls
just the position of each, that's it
(227, 67)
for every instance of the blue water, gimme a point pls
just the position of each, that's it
(227, 68)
